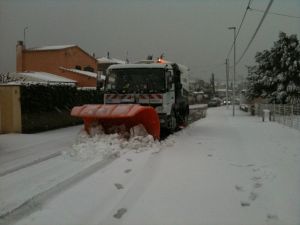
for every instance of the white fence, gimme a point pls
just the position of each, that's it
(288, 115)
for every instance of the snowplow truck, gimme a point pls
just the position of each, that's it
(153, 93)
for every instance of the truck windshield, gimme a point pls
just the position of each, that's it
(141, 80)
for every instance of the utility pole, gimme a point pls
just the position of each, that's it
(24, 35)
(212, 83)
(227, 70)
(234, 64)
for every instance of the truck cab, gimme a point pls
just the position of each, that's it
(160, 84)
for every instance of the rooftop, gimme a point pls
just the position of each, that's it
(53, 47)
(83, 72)
(40, 77)
(110, 60)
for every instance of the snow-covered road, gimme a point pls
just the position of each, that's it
(219, 170)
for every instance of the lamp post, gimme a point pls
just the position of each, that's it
(24, 37)
(227, 70)
(233, 88)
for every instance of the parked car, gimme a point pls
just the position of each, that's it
(214, 102)
(225, 101)
(244, 107)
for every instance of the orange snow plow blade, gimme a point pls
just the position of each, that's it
(110, 115)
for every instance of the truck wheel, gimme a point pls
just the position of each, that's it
(186, 120)
(172, 122)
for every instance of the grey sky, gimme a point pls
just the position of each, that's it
(190, 32)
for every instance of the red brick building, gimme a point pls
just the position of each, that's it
(56, 59)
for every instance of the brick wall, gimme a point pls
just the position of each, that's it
(82, 81)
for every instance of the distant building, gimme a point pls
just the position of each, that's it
(104, 62)
(55, 59)
(221, 93)
(84, 76)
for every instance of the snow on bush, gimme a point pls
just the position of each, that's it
(276, 73)
(100, 145)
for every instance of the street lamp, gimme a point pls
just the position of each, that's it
(233, 89)
(227, 71)
(24, 38)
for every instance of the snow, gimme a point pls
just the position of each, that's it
(28, 172)
(198, 106)
(52, 47)
(102, 145)
(110, 60)
(42, 76)
(83, 72)
(124, 66)
(219, 170)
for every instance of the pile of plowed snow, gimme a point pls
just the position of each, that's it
(100, 145)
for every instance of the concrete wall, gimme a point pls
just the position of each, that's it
(10, 109)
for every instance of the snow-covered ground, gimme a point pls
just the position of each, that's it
(219, 170)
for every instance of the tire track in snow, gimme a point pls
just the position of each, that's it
(34, 203)
(39, 160)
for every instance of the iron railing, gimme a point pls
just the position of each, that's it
(288, 115)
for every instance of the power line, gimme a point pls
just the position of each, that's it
(259, 25)
(275, 13)
(240, 26)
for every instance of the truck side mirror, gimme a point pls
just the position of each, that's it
(169, 80)
(169, 76)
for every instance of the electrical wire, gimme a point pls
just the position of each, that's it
(255, 33)
(240, 26)
(274, 13)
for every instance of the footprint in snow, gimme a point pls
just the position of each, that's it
(119, 186)
(257, 185)
(127, 171)
(256, 169)
(272, 216)
(256, 178)
(120, 213)
(239, 188)
(245, 204)
(240, 165)
(253, 196)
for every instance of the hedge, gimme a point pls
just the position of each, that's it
(46, 107)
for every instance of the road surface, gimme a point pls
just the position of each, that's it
(219, 170)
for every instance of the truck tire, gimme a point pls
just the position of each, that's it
(186, 119)
(172, 122)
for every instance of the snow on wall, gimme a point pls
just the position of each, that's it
(42, 76)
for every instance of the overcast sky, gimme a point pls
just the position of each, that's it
(190, 32)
